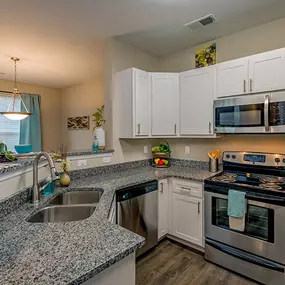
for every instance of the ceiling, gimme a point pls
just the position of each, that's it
(170, 39)
(61, 43)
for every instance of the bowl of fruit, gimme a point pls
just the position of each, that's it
(160, 162)
(161, 155)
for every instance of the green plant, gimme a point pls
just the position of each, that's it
(165, 148)
(98, 117)
(8, 155)
(61, 157)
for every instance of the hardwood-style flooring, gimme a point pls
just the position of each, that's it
(171, 264)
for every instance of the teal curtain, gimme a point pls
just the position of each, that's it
(30, 128)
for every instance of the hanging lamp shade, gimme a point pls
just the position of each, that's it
(11, 113)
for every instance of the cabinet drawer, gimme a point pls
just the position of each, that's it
(189, 188)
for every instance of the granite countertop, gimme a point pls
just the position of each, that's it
(73, 252)
(21, 163)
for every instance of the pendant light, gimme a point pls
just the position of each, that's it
(11, 113)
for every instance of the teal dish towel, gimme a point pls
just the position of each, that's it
(237, 204)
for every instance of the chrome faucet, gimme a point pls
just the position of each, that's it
(54, 175)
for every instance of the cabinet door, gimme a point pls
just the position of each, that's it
(141, 85)
(165, 102)
(267, 71)
(187, 217)
(196, 101)
(232, 78)
(163, 208)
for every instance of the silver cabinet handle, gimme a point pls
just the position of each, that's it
(244, 86)
(175, 129)
(199, 207)
(185, 188)
(161, 187)
(250, 85)
(266, 113)
(139, 128)
(210, 127)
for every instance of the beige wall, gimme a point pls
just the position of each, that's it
(258, 39)
(50, 111)
(80, 100)
(120, 56)
(83, 99)
(248, 42)
(200, 147)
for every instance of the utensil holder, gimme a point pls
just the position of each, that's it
(213, 165)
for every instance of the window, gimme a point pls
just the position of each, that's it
(9, 129)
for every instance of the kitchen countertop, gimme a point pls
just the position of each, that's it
(73, 252)
(7, 167)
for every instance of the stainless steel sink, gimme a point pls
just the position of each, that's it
(76, 198)
(62, 214)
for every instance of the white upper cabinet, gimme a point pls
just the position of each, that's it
(165, 102)
(196, 101)
(262, 72)
(141, 86)
(131, 105)
(232, 78)
(266, 71)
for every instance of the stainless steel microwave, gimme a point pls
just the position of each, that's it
(261, 113)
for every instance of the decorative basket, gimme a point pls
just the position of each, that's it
(157, 157)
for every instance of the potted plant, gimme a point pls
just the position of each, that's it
(61, 157)
(98, 131)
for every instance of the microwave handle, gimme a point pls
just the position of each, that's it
(266, 113)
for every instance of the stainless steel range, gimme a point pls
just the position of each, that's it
(258, 252)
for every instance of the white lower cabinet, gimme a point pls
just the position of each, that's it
(187, 218)
(180, 210)
(163, 208)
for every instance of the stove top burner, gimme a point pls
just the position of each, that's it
(273, 180)
(265, 182)
(271, 186)
(226, 177)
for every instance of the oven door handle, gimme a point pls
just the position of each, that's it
(265, 199)
(245, 256)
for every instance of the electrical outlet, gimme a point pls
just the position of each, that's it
(187, 149)
(145, 149)
(81, 163)
(107, 159)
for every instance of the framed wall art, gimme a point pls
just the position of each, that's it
(206, 56)
(78, 123)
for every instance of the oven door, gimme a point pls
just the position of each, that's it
(264, 232)
(243, 114)
(277, 112)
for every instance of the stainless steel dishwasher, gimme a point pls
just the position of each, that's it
(137, 211)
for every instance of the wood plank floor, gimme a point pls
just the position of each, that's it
(171, 264)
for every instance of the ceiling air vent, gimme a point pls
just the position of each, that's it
(201, 23)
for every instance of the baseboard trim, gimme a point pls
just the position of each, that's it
(188, 245)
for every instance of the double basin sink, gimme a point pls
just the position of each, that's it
(68, 207)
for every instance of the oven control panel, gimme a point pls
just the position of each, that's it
(251, 158)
